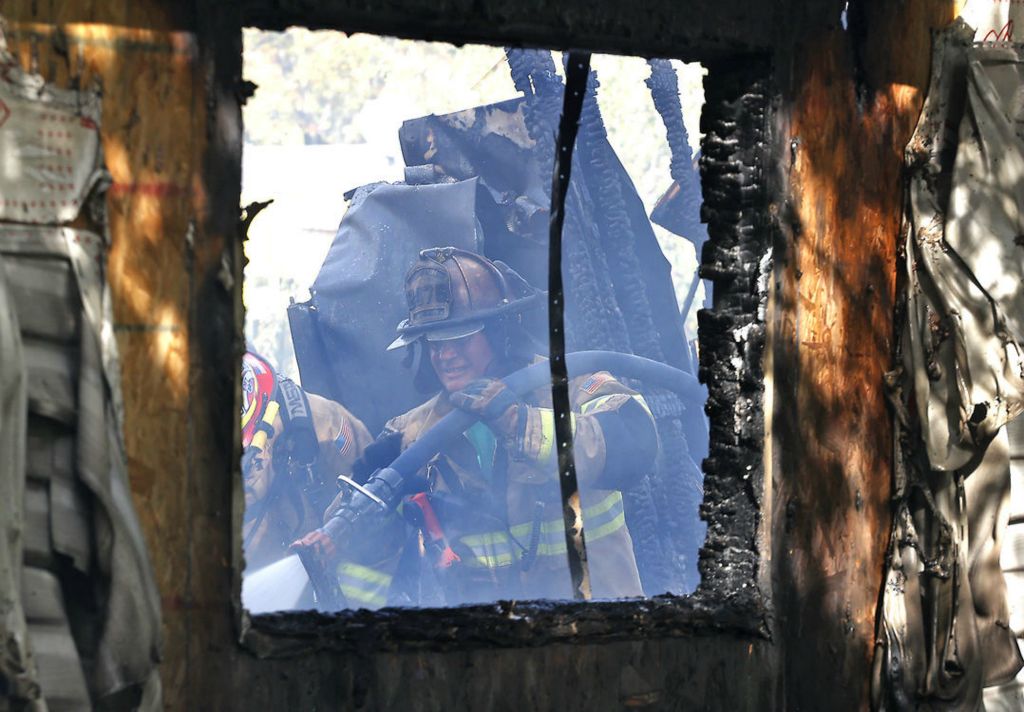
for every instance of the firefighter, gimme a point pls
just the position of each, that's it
(295, 444)
(494, 492)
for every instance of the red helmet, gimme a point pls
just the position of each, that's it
(258, 383)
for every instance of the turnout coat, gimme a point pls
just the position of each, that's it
(501, 511)
(295, 503)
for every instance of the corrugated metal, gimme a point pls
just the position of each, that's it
(50, 462)
(51, 379)
(50, 142)
(60, 672)
(50, 450)
(45, 294)
(70, 515)
(18, 673)
(1010, 697)
(38, 547)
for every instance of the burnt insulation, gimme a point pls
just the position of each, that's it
(664, 86)
(667, 559)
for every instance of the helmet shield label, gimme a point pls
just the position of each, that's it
(429, 294)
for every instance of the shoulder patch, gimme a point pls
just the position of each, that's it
(345, 442)
(594, 382)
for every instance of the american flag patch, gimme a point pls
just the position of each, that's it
(594, 382)
(345, 442)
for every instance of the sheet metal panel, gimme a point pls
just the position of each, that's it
(38, 546)
(51, 380)
(49, 149)
(60, 671)
(45, 296)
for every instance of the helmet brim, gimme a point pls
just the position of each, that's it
(448, 333)
(465, 326)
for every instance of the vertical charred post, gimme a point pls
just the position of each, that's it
(737, 260)
(576, 70)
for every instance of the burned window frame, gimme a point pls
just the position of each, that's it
(736, 151)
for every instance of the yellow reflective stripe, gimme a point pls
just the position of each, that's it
(592, 535)
(485, 539)
(522, 530)
(547, 432)
(489, 549)
(259, 440)
(615, 498)
(494, 549)
(643, 404)
(363, 584)
(556, 525)
(594, 531)
(591, 404)
(364, 573)
(606, 529)
(491, 562)
(376, 599)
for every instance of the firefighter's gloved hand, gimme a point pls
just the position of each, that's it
(493, 403)
(380, 453)
(318, 542)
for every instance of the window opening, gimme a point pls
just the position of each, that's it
(444, 235)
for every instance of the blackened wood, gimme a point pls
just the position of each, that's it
(576, 71)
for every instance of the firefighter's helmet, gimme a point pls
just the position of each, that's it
(258, 383)
(453, 293)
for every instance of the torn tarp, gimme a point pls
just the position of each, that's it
(944, 631)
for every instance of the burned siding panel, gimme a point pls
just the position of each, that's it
(145, 64)
(844, 129)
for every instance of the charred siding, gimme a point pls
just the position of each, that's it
(732, 332)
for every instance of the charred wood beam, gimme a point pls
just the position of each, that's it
(688, 30)
(737, 260)
(577, 68)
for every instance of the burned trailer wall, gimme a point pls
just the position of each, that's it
(843, 103)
